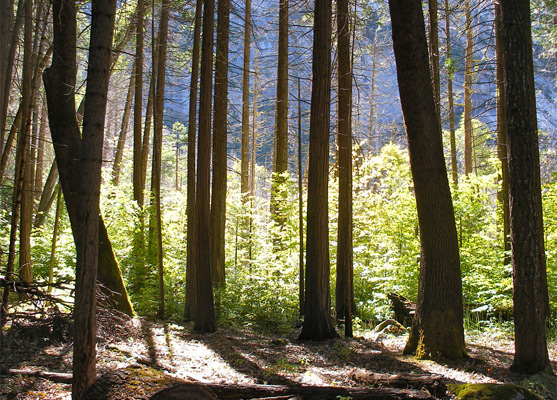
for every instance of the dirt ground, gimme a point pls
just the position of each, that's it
(235, 356)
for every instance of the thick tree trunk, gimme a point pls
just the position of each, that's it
(218, 200)
(437, 327)
(191, 279)
(344, 282)
(204, 318)
(80, 157)
(530, 294)
(318, 324)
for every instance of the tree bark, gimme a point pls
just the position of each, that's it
(138, 106)
(437, 327)
(434, 55)
(502, 133)
(318, 324)
(530, 295)
(344, 282)
(244, 167)
(191, 280)
(281, 133)
(123, 131)
(218, 200)
(204, 318)
(80, 157)
(450, 96)
(156, 231)
(467, 115)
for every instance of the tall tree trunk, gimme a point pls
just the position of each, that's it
(39, 171)
(344, 282)
(8, 24)
(155, 230)
(24, 169)
(372, 94)
(204, 317)
(434, 55)
(79, 158)
(450, 74)
(468, 92)
(123, 131)
(190, 205)
(138, 106)
(54, 238)
(244, 168)
(281, 133)
(437, 327)
(301, 273)
(318, 324)
(21, 155)
(530, 294)
(218, 200)
(48, 194)
(502, 133)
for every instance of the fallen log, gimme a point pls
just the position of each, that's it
(233, 391)
(404, 309)
(432, 383)
(140, 383)
(58, 377)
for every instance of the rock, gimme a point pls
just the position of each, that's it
(492, 391)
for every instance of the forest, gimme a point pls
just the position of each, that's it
(284, 199)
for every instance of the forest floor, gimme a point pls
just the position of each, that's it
(237, 356)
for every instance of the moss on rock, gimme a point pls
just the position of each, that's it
(492, 391)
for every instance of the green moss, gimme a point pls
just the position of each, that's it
(492, 391)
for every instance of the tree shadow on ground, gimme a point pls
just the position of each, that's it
(284, 360)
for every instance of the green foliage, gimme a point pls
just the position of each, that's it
(386, 242)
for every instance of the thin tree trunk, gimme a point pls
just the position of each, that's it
(39, 171)
(502, 134)
(23, 159)
(372, 95)
(204, 317)
(47, 196)
(138, 106)
(450, 74)
(191, 296)
(244, 168)
(123, 131)
(7, 71)
(301, 274)
(281, 133)
(434, 55)
(318, 323)
(54, 238)
(157, 148)
(467, 115)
